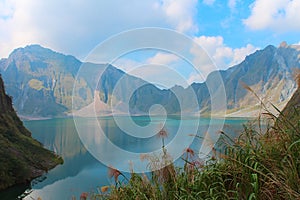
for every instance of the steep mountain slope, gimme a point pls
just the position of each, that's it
(21, 157)
(41, 83)
(291, 111)
(267, 72)
(40, 80)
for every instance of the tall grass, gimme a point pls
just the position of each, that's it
(253, 166)
(256, 165)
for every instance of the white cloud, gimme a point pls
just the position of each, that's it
(195, 78)
(231, 4)
(180, 13)
(154, 69)
(162, 76)
(162, 59)
(239, 54)
(222, 55)
(161, 68)
(278, 15)
(216, 56)
(202, 61)
(6, 9)
(209, 43)
(153, 66)
(14, 33)
(126, 64)
(76, 27)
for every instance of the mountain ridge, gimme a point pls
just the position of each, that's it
(48, 79)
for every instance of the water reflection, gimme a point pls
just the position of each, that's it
(81, 172)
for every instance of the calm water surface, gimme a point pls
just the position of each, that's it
(81, 172)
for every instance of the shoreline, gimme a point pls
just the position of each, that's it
(32, 118)
(227, 116)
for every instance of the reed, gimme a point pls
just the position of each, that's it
(256, 165)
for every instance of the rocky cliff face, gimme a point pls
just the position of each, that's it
(291, 112)
(21, 157)
(40, 80)
(6, 102)
(41, 83)
(267, 72)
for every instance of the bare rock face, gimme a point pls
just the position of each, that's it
(5, 100)
(283, 44)
(267, 72)
(291, 112)
(41, 84)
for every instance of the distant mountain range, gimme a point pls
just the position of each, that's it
(41, 83)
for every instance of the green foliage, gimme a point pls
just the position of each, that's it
(36, 76)
(256, 165)
(21, 157)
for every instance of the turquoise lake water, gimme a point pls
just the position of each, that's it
(83, 172)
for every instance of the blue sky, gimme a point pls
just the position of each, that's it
(227, 30)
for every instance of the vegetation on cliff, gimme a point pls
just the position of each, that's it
(21, 157)
(36, 76)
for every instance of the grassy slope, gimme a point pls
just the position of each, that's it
(292, 110)
(257, 165)
(21, 157)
